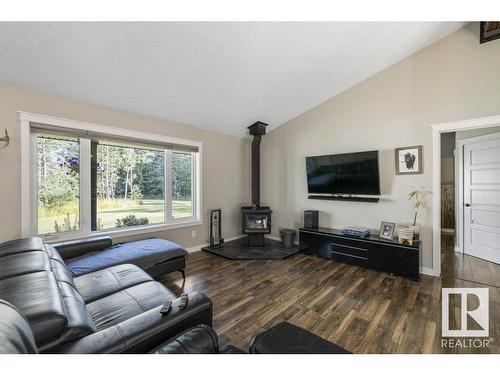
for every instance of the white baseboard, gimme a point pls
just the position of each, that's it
(198, 247)
(458, 249)
(428, 271)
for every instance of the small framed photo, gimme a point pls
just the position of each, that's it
(387, 230)
(409, 160)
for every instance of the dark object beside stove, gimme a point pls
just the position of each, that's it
(287, 238)
(216, 239)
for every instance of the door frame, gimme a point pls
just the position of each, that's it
(459, 230)
(437, 130)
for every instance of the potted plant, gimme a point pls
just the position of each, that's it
(417, 196)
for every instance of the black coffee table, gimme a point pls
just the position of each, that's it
(285, 338)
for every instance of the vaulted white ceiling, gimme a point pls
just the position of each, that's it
(217, 76)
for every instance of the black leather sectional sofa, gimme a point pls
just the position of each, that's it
(44, 308)
(113, 310)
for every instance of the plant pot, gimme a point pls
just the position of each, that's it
(416, 230)
(406, 235)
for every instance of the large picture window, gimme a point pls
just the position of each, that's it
(87, 184)
(130, 186)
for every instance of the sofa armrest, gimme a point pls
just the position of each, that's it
(144, 332)
(76, 248)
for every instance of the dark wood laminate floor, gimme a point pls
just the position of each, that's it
(465, 267)
(363, 310)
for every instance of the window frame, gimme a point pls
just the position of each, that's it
(29, 174)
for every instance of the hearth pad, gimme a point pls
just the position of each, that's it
(237, 249)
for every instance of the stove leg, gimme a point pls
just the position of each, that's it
(256, 240)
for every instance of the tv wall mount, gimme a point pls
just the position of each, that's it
(345, 197)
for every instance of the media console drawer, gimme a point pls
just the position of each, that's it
(370, 252)
(350, 250)
(351, 242)
(351, 259)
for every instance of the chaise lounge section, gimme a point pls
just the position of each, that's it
(156, 256)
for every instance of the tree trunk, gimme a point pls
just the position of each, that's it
(44, 162)
(128, 172)
(105, 166)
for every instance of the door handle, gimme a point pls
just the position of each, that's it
(467, 205)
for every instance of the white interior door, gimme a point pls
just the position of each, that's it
(482, 200)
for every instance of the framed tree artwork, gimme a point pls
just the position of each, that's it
(409, 160)
(489, 30)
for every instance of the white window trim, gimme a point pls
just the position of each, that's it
(28, 217)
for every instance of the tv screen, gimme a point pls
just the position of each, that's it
(354, 173)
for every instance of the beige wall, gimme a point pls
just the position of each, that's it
(226, 169)
(455, 78)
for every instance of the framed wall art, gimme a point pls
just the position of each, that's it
(409, 160)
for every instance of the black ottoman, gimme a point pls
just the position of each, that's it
(285, 338)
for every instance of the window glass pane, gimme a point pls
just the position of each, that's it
(130, 184)
(182, 197)
(58, 169)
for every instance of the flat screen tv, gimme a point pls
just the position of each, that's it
(354, 173)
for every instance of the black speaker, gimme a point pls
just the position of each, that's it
(311, 219)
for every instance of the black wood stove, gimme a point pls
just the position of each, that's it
(256, 219)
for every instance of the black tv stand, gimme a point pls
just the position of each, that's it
(345, 198)
(370, 252)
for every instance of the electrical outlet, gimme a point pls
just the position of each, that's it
(193, 234)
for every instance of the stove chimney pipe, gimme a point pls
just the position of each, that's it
(257, 130)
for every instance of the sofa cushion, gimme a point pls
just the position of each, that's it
(143, 253)
(54, 254)
(15, 333)
(23, 263)
(99, 284)
(79, 322)
(22, 245)
(37, 296)
(123, 305)
(61, 273)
